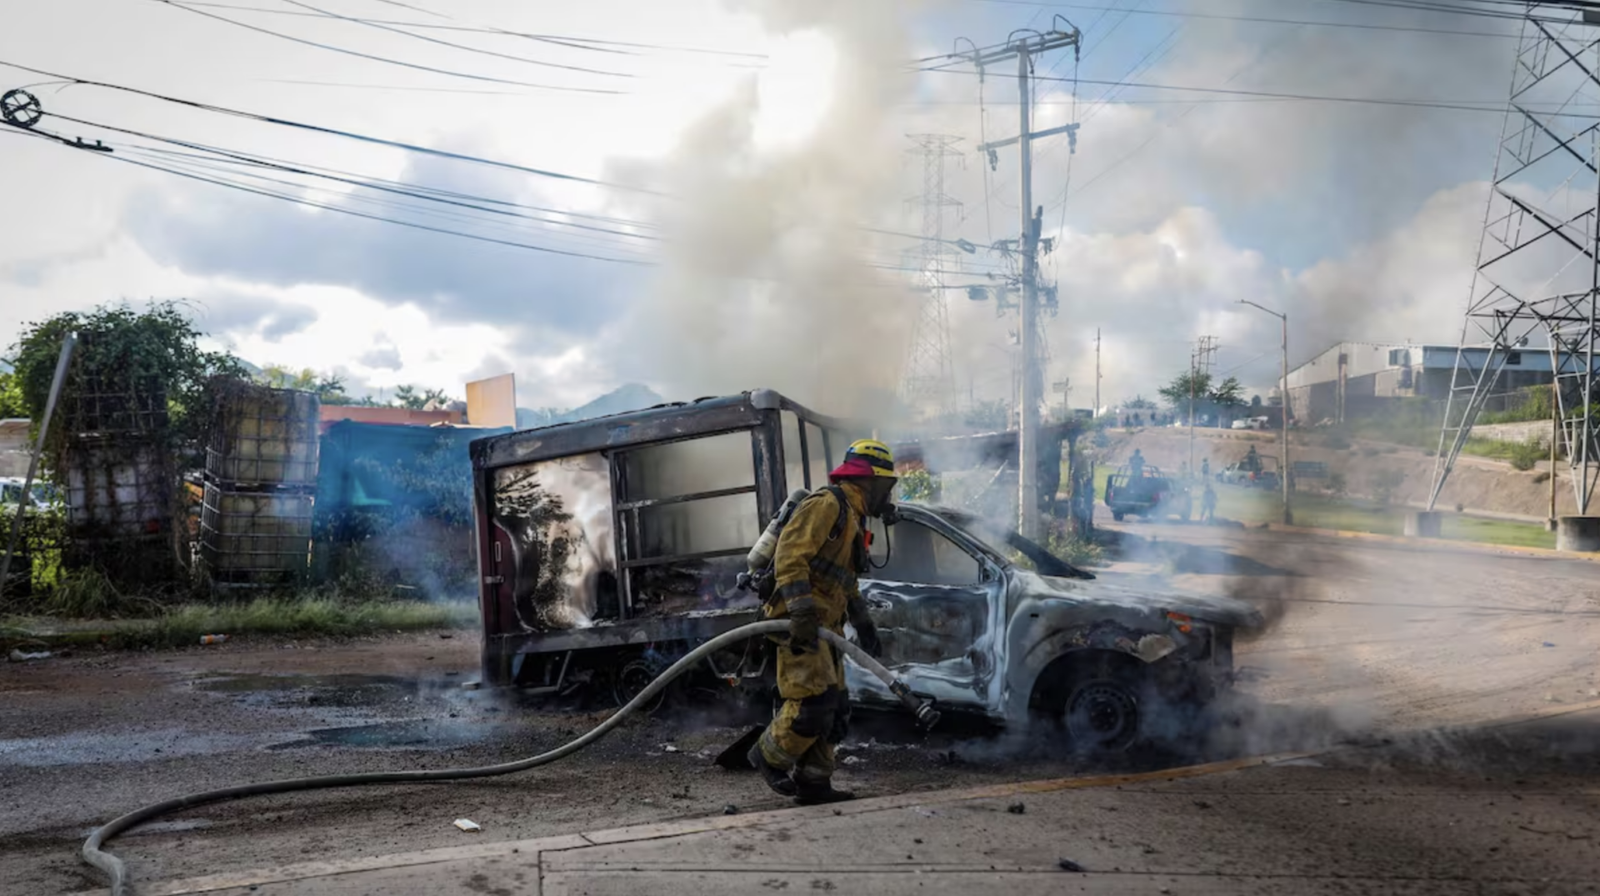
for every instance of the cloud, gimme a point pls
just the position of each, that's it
(383, 357)
(271, 242)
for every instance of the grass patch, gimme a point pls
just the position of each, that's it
(1521, 455)
(183, 624)
(1320, 512)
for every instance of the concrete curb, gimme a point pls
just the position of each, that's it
(1437, 544)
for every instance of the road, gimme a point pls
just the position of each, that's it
(1365, 639)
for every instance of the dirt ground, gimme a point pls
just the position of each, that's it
(1478, 484)
(1364, 640)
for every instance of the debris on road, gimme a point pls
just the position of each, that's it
(852, 760)
(1069, 865)
(471, 685)
(468, 825)
(1016, 808)
(730, 809)
(18, 656)
(669, 748)
(212, 639)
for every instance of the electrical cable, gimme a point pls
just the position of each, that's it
(593, 44)
(1306, 97)
(93, 853)
(385, 59)
(347, 211)
(335, 132)
(471, 49)
(1365, 26)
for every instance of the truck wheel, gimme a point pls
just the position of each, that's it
(1117, 515)
(1102, 714)
(632, 679)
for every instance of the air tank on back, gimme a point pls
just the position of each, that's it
(760, 556)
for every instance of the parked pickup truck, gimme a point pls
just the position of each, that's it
(1150, 494)
(610, 547)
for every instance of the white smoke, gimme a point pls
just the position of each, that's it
(770, 278)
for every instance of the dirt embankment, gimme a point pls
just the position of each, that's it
(1477, 484)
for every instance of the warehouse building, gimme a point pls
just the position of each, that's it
(1360, 379)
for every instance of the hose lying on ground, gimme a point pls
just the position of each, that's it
(113, 867)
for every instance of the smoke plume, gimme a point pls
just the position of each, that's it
(767, 280)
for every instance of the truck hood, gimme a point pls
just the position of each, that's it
(1210, 608)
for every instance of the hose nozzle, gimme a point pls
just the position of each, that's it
(927, 716)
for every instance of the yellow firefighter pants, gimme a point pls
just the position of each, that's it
(811, 721)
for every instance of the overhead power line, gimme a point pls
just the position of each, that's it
(1306, 97)
(335, 132)
(593, 44)
(383, 59)
(453, 45)
(1269, 20)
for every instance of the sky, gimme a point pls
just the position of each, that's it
(740, 175)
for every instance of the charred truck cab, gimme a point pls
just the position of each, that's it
(611, 547)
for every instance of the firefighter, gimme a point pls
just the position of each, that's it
(820, 552)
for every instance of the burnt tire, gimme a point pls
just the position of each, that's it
(1102, 715)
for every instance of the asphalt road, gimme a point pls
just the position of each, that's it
(1365, 640)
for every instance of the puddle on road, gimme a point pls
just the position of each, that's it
(130, 746)
(238, 684)
(409, 735)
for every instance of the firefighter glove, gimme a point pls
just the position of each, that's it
(803, 628)
(866, 630)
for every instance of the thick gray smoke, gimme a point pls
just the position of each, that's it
(768, 279)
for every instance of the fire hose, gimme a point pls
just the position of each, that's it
(925, 714)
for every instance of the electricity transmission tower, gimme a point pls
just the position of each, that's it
(1537, 282)
(929, 382)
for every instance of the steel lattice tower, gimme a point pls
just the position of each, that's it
(1537, 282)
(929, 384)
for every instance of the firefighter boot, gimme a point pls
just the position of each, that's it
(816, 791)
(776, 778)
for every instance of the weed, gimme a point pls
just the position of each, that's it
(88, 594)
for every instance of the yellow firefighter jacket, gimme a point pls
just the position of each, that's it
(811, 569)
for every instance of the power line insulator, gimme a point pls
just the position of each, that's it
(21, 108)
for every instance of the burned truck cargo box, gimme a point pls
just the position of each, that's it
(555, 516)
(631, 528)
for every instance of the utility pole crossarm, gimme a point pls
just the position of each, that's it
(1071, 130)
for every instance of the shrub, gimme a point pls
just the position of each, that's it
(1523, 455)
(1337, 484)
(1384, 484)
(1541, 476)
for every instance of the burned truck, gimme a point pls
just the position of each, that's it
(609, 548)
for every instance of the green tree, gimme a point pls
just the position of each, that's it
(1190, 383)
(1228, 393)
(1139, 403)
(329, 387)
(11, 403)
(128, 356)
(407, 396)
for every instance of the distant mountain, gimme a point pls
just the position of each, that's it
(632, 397)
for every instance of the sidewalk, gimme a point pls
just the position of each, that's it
(1502, 809)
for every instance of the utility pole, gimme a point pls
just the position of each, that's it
(1283, 407)
(1096, 372)
(1199, 362)
(1023, 48)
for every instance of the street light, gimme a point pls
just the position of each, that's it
(1283, 407)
